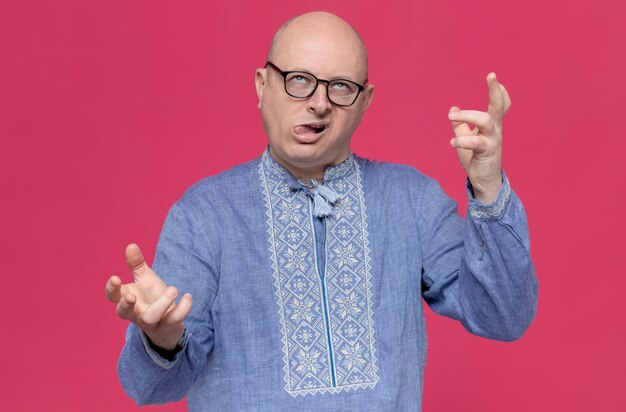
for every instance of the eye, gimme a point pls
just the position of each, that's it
(342, 87)
(299, 78)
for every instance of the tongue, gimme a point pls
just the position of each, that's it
(304, 129)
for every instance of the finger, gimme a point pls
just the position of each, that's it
(180, 312)
(496, 98)
(460, 128)
(155, 312)
(482, 120)
(135, 260)
(465, 157)
(114, 289)
(473, 143)
(126, 307)
(507, 98)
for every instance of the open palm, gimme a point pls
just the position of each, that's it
(148, 302)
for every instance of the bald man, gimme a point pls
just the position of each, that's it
(308, 265)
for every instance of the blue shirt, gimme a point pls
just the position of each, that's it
(308, 296)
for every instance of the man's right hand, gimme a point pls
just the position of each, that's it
(148, 302)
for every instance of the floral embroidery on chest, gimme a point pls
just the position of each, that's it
(326, 321)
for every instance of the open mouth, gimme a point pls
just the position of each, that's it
(309, 128)
(309, 133)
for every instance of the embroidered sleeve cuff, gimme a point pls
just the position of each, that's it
(160, 360)
(493, 210)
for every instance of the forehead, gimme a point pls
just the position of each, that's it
(327, 48)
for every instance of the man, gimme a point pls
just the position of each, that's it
(308, 265)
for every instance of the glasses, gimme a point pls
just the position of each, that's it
(302, 85)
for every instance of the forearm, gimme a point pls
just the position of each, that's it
(149, 378)
(481, 274)
(497, 285)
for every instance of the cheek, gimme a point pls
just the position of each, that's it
(277, 119)
(347, 123)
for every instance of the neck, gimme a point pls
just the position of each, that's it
(316, 173)
(306, 173)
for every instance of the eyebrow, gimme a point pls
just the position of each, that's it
(339, 77)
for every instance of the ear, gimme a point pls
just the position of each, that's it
(368, 95)
(260, 80)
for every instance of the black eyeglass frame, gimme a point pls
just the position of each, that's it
(284, 74)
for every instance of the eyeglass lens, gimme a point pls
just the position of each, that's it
(301, 85)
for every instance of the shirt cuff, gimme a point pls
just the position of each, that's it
(493, 210)
(158, 359)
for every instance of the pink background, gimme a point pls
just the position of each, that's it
(109, 110)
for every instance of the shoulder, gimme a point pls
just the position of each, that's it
(394, 174)
(232, 182)
(402, 185)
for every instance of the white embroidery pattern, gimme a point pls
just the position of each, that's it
(495, 210)
(320, 359)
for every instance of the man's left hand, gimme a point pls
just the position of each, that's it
(480, 150)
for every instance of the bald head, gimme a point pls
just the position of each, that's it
(319, 23)
(306, 134)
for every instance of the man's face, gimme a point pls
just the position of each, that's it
(306, 135)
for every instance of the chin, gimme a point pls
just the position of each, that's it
(303, 154)
(306, 155)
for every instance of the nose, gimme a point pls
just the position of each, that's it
(318, 103)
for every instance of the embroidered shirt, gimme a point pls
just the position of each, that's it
(308, 295)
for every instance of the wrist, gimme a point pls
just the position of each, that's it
(167, 350)
(492, 210)
(169, 342)
(486, 193)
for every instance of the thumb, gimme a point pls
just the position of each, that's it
(460, 128)
(135, 260)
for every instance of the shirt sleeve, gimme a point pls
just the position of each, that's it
(185, 258)
(479, 271)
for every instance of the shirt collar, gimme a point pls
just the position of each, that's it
(331, 173)
(324, 197)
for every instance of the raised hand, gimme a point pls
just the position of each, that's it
(480, 149)
(148, 302)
